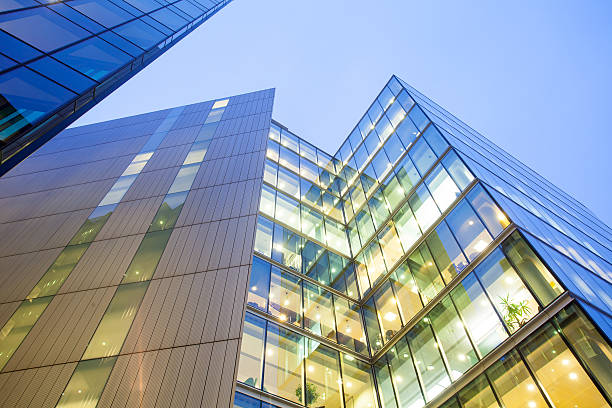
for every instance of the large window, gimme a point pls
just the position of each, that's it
(251, 351)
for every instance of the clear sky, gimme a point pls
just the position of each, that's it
(535, 77)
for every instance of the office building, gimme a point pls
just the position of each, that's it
(58, 59)
(205, 255)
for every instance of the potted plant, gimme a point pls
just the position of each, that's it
(515, 314)
(312, 394)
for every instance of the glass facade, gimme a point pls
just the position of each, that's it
(429, 258)
(79, 52)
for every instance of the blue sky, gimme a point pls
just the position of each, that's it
(532, 76)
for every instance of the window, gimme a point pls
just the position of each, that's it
(93, 224)
(116, 322)
(289, 159)
(169, 211)
(288, 210)
(468, 229)
(428, 360)
(388, 314)
(61, 73)
(272, 150)
(350, 329)
(220, 104)
(480, 318)
(385, 385)
(285, 298)
(407, 174)
(259, 284)
(407, 227)
(372, 328)
(457, 170)
(57, 273)
(390, 244)
(289, 183)
(442, 187)
(94, 58)
(283, 369)
(263, 236)
(404, 377)
(559, 372)
(251, 351)
(147, 256)
(406, 291)
(323, 382)
(446, 252)
(87, 383)
(424, 208)
(312, 224)
(286, 248)
(393, 192)
(309, 171)
(197, 152)
(19, 325)
(425, 273)
(514, 384)
(318, 311)
(102, 11)
(509, 295)
(357, 383)
(452, 338)
(422, 156)
(494, 219)
(267, 202)
(336, 236)
(478, 394)
(52, 30)
(184, 178)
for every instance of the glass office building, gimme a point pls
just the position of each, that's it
(205, 255)
(60, 58)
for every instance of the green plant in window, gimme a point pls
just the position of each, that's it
(515, 314)
(312, 394)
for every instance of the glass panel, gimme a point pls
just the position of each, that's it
(287, 248)
(283, 369)
(427, 359)
(390, 244)
(494, 219)
(507, 292)
(168, 212)
(483, 324)
(357, 383)
(514, 384)
(87, 383)
(62, 74)
(442, 187)
(147, 256)
(532, 270)
(251, 351)
(453, 339)
(288, 210)
(422, 156)
(407, 227)
(184, 178)
(588, 344)
(407, 173)
(110, 334)
(559, 372)
(266, 204)
(318, 311)
(457, 170)
(404, 377)
(468, 229)
(423, 207)
(19, 325)
(336, 236)
(478, 394)
(270, 171)
(94, 58)
(425, 273)
(388, 314)
(57, 273)
(350, 329)
(323, 382)
(385, 385)
(118, 190)
(309, 171)
(263, 236)
(197, 152)
(312, 224)
(372, 328)
(289, 183)
(406, 291)
(285, 298)
(259, 284)
(446, 252)
(393, 192)
(289, 159)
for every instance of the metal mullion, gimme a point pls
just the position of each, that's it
(494, 391)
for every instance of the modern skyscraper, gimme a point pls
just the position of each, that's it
(58, 59)
(207, 256)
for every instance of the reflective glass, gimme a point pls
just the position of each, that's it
(312, 224)
(289, 159)
(289, 183)
(478, 394)
(117, 320)
(87, 383)
(263, 236)
(251, 351)
(446, 252)
(481, 320)
(323, 382)
(442, 187)
(102, 11)
(283, 369)
(406, 291)
(425, 272)
(407, 227)
(147, 256)
(267, 201)
(422, 156)
(462, 176)
(559, 372)
(259, 284)
(318, 311)
(19, 325)
(404, 376)
(407, 174)
(423, 207)
(197, 152)
(168, 211)
(388, 314)
(357, 383)
(61, 73)
(285, 298)
(468, 229)
(93, 224)
(494, 219)
(288, 211)
(348, 321)
(372, 329)
(390, 244)
(184, 178)
(286, 248)
(385, 385)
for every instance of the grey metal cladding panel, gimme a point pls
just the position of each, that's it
(192, 376)
(130, 217)
(7, 310)
(103, 264)
(180, 136)
(48, 202)
(167, 157)
(38, 387)
(37, 234)
(63, 331)
(28, 267)
(63, 177)
(151, 184)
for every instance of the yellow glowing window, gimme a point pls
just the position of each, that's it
(220, 104)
